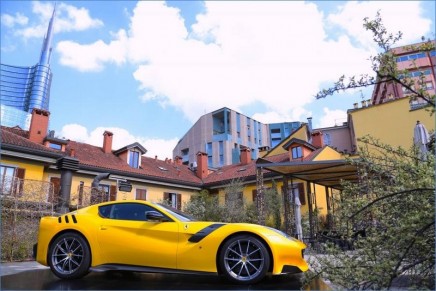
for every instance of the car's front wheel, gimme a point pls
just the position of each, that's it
(244, 259)
(69, 256)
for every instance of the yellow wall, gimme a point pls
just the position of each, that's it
(392, 122)
(301, 133)
(34, 170)
(154, 192)
(328, 154)
(320, 194)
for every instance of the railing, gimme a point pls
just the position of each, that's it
(27, 195)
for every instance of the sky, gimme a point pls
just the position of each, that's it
(148, 70)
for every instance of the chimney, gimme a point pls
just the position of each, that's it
(245, 156)
(72, 153)
(317, 139)
(107, 142)
(309, 122)
(38, 125)
(202, 168)
(155, 158)
(178, 160)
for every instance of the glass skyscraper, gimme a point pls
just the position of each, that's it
(24, 88)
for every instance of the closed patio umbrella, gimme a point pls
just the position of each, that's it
(421, 138)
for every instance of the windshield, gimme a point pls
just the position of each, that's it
(177, 213)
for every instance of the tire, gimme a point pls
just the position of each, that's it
(244, 259)
(69, 256)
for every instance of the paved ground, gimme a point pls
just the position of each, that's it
(17, 267)
(33, 276)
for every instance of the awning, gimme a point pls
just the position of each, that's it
(328, 173)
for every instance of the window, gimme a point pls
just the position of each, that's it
(55, 146)
(134, 159)
(297, 152)
(141, 194)
(174, 200)
(429, 85)
(125, 211)
(327, 139)
(107, 192)
(81, 186)
(298, 191)
(221, 152)
(11, 180)
(407, 90)
(232, 199)
(411, 57)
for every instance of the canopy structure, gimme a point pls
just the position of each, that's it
(328, 173)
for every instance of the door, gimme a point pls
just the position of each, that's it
(126, 237)
(53, 196)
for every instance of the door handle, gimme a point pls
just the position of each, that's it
(103, 227)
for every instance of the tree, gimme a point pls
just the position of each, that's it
(273, 207)
(392, 207)
(236, 209)
(204, 207)
(388, 216)
(385, 67)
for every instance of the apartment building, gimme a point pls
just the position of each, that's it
(417, 63)
(222, 134)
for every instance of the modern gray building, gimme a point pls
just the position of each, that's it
(24, 88)
(280, 131)
(221, 134)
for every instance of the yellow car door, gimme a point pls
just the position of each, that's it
(126, 236)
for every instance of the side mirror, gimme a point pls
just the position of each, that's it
(155, 215)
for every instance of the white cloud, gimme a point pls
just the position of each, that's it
(10, 21)
(154, 146)
(332, 118)
(68, 18)
(92, 57)
(404, 16)
(276, 53)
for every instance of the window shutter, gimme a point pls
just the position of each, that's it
(53, 196)
(302, 194)
(166, 196)
(179, 201)
(141, 194)
(18, 182)
(254, 195)
(113, 193)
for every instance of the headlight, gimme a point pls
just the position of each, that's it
(282, 233)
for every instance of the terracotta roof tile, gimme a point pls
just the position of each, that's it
(94, 156)
(18, 137)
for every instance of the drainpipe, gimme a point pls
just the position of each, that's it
(95, 195)
(98, 178)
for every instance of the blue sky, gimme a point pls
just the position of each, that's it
(148, 70)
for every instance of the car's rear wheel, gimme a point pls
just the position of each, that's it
(69, 256)
(244, 259)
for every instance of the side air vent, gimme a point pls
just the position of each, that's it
(67, 219)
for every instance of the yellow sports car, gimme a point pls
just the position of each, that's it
(143, 236)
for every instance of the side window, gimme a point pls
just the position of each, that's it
(104, 211)
(128, 211)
